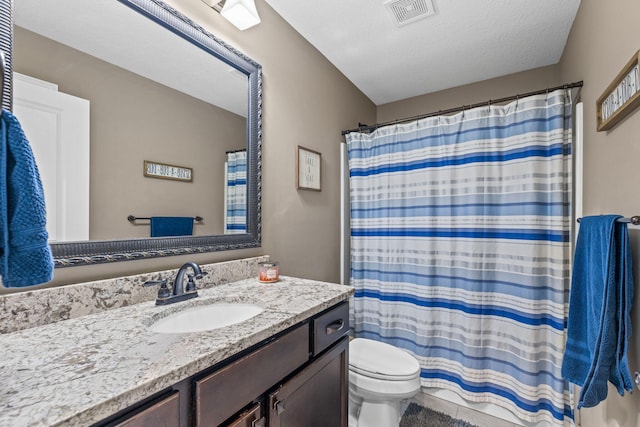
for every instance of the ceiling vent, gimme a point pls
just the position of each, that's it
(407, 11)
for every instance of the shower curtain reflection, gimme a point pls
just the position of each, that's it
(460, 249)
(236, 192)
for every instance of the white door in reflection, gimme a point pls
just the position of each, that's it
(57, 127)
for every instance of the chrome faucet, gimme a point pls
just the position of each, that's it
(179, 291)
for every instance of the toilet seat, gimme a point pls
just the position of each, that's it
(379, 360)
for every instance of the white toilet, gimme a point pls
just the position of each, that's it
(380, 377)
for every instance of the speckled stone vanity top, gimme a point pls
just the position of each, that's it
(78, 371)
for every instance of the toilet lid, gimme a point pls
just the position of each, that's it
(380, 360)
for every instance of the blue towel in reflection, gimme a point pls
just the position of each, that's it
(599, 323)
(165, 226)
(25, 255)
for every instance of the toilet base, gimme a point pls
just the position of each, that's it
(376, 414)
(354, 410)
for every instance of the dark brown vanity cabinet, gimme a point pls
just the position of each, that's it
(315, 397)
(298, 378)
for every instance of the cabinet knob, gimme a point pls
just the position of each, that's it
(259, 422)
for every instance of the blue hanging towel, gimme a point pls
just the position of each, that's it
(25, 255)
(599, 323)
(166, 226)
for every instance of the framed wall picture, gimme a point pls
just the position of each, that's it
(309, 169)
(165, 171)
(621, 97)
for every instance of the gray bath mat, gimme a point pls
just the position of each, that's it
(418, 416)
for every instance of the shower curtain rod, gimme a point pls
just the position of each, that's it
(363, 127)
(236, 151)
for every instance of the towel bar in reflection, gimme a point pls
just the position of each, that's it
(132, 218)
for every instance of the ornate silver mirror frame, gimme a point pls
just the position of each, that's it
(93, 252)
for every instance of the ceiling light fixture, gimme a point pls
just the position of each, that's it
(241, 13)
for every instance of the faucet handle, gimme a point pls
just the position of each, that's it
(191, 284)
(163, 291)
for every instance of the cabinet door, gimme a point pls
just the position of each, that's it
(317, 396)
(163, 413)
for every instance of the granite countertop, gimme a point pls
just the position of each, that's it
(79, 371)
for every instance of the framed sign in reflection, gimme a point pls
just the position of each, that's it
(166, 171)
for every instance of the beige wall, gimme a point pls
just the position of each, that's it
(135, 119)
(306, 101)
(501, 87)
(603, 38)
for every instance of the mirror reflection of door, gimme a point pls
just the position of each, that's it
(57, 127)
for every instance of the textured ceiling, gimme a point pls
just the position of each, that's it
(464, 42)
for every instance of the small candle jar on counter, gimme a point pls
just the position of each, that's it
(269, 272)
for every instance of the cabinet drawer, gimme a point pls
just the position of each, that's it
(330, 327)
(226, 391)
(163, 413)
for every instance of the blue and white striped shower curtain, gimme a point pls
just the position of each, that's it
(236, 193)
(460, 249)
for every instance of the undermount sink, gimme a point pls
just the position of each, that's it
(205, 317)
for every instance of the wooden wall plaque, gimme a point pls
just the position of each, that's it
(621, 97)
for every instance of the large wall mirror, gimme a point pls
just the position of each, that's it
(136, 115)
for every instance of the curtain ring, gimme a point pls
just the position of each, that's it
(489, 106)
(546, 96)
(517, 100)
